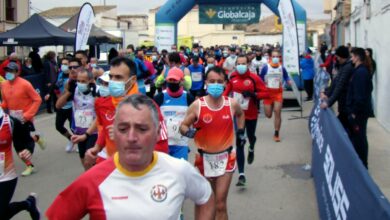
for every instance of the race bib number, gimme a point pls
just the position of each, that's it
(2, 163)
(18, 114)
(174, 136)
(147, 87)
(83, 118)
(273, 81)
(244, 102)
(197, 76)
(215, 164)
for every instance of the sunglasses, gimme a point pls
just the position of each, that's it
(74, 67)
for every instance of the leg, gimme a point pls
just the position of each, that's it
(306, 86)
(278, 120)
(310, 88)
(268, 109)
(359, 138)
(85, 145)
(222, 184)
(250, 132)
(7, 190)
(61, 117)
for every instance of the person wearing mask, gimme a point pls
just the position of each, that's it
(50, 70)
(36, 60)
(329, 62)
(266, 58)
(337, 91)
(215, 114)
(257, 63)
(230, 63)
(273, 74)
(27, 68)
(225, 54)
(22, 102)
(359, 103)
(174, 102)
(13, 57)
(247, 89)
(307, 70)
(210, 63)
(142, 71)
(197, 77)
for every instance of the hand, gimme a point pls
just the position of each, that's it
(323, 96)
(91, 156)
(190, 133)
(248, 94)
(240, 138)
(78, 138)
(92, 88)
(47, 97)
(111, 131)
(25, 154)
(324, 105)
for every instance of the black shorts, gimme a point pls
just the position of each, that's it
(87, 144)
(30, 144)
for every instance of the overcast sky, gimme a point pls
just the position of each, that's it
(314, 8)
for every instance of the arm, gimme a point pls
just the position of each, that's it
(228, 89)
(261, 89)
(36, 102)
(63, 99)
(187, 79)
(160, 79)
(286, 78)
(190, 118)
(342, 81)
(79, 138)
(159, 99)
(263, 72)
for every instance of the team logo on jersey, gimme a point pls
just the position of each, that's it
(207, 118)
(247, 82)
(159, 193)
(226, 117)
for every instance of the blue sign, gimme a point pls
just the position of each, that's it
(344, 188)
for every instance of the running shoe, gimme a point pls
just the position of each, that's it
(69, 147)
(276, 138)
(28, 171)
(251, 156)
(41, 141)
(32, 201)
(241, 181)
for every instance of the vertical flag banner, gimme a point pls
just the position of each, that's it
(290, 42)
(84, 24)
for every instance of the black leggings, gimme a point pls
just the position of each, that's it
(61, 117)
(7, 209)
(308, 84)
(250, 127)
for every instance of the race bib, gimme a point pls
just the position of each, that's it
(174, 136)
(244, 102)
(83, 118)
(18, 114)
(2, 163)
(215, 164)
(197, 76)
(273, 81)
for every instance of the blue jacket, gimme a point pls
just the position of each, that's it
(307, 67)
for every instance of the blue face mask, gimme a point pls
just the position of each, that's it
(215, 89)
(83, 87)
(275, 60)
(93, 65)
(65, 68)
(9, 76)
(210, 65)
(117, 89)
(241, 69)
(104, 91)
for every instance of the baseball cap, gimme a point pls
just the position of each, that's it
(176, 74)
(12, 66)
(105, 77)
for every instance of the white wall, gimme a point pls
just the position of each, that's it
(263, 39)
(374, 33)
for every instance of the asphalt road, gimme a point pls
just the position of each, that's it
(277, 186)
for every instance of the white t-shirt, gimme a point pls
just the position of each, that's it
(108, 191)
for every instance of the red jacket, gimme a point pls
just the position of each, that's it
(248, 82)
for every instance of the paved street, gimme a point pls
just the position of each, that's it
(278, 187)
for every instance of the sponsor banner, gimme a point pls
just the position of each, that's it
(229, 14)
(301, 28)
(165, 36)
(344, 188)
(290, 43)
(84, 26)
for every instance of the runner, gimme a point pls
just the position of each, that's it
(213, 114)
(247, 89)
(174, 102)
(65, 113)
(11, 130)
(83, 99)
(230, 63)
(257, 63)
(136, 183)
(197, 77)
(22, 102)
(273, 75)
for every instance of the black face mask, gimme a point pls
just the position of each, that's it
(174, 87)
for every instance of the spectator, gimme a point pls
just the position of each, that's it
(369, 54)
(112, 54)
(27, 68)
(83, 56)
(11, 58)
(330, 62)
(50, 70)
(307, 67)
(323, 50)
(36, 60)
(359, 103)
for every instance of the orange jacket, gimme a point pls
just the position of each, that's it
(20, 95)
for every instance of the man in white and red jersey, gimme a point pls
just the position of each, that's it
(12, 130)
(209, 120)
(247, 89)
(137, 182)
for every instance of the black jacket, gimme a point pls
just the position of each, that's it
(339, 87)
(359, 92)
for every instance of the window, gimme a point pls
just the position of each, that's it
(9, 11)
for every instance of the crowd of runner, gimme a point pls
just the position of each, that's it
(127, 120)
